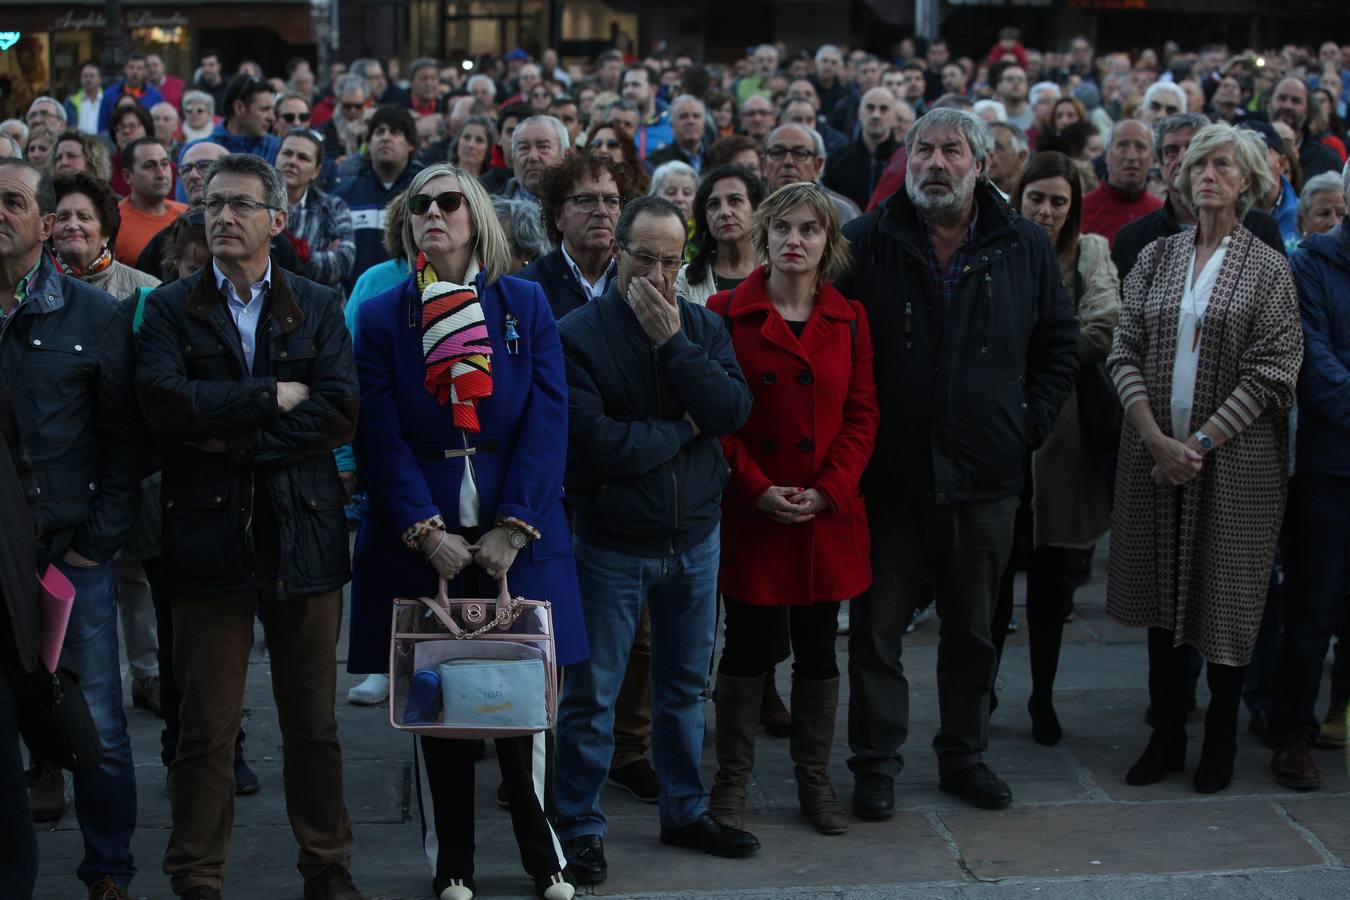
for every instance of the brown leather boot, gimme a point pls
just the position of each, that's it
(814, 704)
(737, 702)
(1294, 767)
(46, 792)
(773, 715)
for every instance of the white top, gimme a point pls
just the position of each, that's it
(593, 291)
(245, 313)
(1190, 330)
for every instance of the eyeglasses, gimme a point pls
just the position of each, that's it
(607, 143)
(201, 167)
(292, 118)
(195, 110)
(588, 202)
(757, 112)
(799, 154)
(240, 206)
(354, 107)
(646, 261)
(420, 204)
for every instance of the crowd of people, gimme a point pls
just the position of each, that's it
(817, 328)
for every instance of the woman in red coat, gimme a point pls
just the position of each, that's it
(794, 533)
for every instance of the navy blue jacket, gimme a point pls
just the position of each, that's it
(1322, 273)
(639, 478)
(554, 275)
(518, 465)
(367, 197)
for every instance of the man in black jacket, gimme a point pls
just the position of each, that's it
(652, 382)
(976, 351)
(66, 356)
(855, 168)
(246, 377)
(1171, 138)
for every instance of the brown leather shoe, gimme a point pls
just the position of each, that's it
(1294, 767)
(46, 792)
(333, 883)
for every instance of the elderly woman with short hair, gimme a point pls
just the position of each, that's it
(1206, 358)
(85, 233)
(1321, 206)
(524, 231)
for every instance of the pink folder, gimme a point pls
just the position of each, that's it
(58, 596)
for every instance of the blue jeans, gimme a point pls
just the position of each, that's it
(680, 593)
(105, 797)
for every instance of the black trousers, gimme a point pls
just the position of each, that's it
(961, 550)
(18, 843)
(1049, 589)
(1169, 681)
(759, 637)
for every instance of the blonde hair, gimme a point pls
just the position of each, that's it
(835, 259)
(1249, 152)
(489, 241)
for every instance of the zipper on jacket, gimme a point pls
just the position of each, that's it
(988, 309)
(909, 324)
(674, 479)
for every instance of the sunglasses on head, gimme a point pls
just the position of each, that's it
(295, 117)
(420, 204)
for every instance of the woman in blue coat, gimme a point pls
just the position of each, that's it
(461, 446)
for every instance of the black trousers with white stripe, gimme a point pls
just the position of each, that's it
(445, 773)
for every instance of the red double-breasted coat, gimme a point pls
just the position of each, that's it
(812, 424)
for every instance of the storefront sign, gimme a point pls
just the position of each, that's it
(142, 18)
(9, 39)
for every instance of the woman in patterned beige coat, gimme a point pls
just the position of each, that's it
(1205, 359)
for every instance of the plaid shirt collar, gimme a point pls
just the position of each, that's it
(946, 277)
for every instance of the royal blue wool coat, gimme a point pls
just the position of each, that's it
(400, 442)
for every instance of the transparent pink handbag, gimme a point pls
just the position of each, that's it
(470, 668)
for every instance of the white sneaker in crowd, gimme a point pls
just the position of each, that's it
(371, 692)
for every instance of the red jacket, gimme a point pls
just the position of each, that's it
(812, 424)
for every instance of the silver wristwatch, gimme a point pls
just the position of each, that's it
(1205, 441)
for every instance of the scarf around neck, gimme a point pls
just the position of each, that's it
(104, 260)
(455, 342)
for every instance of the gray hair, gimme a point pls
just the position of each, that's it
(827, 48)
(56, 104)
(1249, 152)
(195, 96)
(352, 81)
(665, 170)
(996, 105)
(1166, 87)
(423, 62)
(1042, 87)
(520, 221)
(359, 66)
(817, 142)
(974, 129)
(479, 79)
(21, 123)
(1327, 182)
(1163, 127)
(274, 186)
(687, 98)
(558, 128)
(1019, 141)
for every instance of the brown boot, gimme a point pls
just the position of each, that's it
(46, 792)
(773, 715)
(738, 702)
(814, 704)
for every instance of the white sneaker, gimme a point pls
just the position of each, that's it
(457, 890)
(842, 627)
(371, 692)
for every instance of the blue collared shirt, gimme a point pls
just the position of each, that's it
(592, 290)
(245, 313)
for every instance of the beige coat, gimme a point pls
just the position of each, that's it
(1069, 497)
(1197, 559)
(121, 280)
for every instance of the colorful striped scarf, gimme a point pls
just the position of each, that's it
(455, 342)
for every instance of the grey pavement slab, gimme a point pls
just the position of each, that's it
(1076, 830)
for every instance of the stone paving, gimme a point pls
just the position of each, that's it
(1075, 829)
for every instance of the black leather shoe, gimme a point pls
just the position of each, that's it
(586, 857)
(711, 836)
(873, 796)
(978, 786)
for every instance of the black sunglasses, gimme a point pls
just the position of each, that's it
(295, 117)
(420, 204)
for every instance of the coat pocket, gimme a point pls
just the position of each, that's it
(321, 530)
(202, 540)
